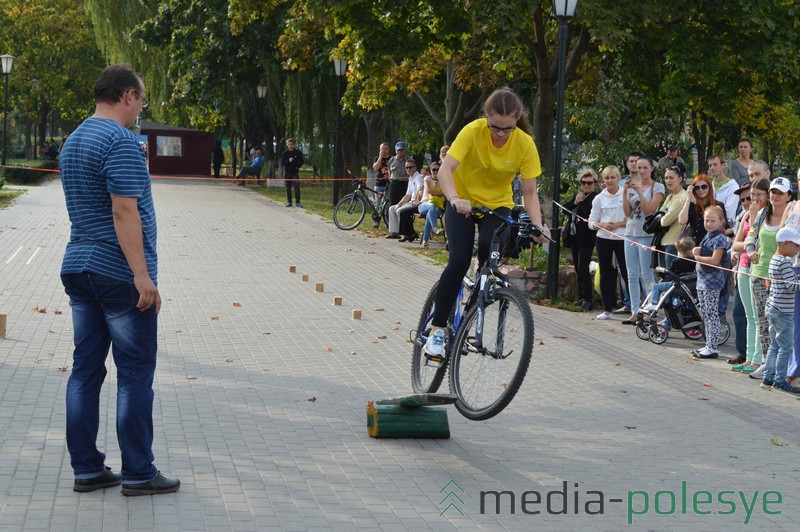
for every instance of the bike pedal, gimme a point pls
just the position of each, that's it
(431, 360)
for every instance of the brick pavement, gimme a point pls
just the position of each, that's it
(599, 408)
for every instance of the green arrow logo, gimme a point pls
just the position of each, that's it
(449, 490)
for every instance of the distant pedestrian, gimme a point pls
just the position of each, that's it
(110, 272)
(217, 157)
(398, 179)
(291, 161)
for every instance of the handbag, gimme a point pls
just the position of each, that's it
(652, 222)
(569, 233)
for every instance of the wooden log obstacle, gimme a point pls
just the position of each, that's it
(412, 416)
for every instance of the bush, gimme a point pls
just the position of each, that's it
(21, 175)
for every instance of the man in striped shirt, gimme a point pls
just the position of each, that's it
(110, 273)
(780, 311)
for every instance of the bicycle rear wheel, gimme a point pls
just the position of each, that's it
(349, 212)
(486, 377)
(427, 376)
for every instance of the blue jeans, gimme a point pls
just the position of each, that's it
(657, 290)
(104, 314)
(781, 337)
(640, 274)
(431, 213)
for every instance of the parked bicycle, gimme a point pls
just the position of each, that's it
(351, 209)
(489, 334)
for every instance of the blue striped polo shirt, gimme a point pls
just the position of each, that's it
(99, 159)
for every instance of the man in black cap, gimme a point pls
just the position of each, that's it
(670, 159)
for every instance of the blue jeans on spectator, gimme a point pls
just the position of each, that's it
(640, 274)
(657, 290)
(781, 337)
(431, 213)
(104, 314)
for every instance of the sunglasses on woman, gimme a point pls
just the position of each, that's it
(701, 187)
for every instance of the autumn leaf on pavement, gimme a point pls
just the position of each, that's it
(236, 304)
(379, 309)
(312, 399)
(57, 312)
(617, 363)
(774, 441)
(707, 385)
(215, 318)
(65, 368)
(382, 337)
(42, 311)
(703, 398)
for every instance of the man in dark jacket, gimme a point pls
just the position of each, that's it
(291, 161)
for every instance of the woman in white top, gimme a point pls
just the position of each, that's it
(641, 197)
(608, 219)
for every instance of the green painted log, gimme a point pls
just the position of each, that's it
(395, 421)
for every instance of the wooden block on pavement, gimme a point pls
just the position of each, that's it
(292, 269)
(337, 300)
(304, 277)
(356, 314)
(320, 287)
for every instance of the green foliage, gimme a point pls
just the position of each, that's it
(21, 175)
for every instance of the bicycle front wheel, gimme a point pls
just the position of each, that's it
(486, 374)
(349, 212)
(427, 375)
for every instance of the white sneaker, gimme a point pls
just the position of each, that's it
(759, 373)
(605, 316)
(434, 346)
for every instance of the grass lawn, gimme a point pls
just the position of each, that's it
(7, 195)
(317, 197)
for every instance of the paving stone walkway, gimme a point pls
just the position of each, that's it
(262, 388)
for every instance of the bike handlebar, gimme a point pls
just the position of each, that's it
(534, 229)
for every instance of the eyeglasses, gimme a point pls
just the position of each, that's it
(498, 129)
(748, 198)
(434, 169)
(145, 101)
(410, 167)
(701, 187)
(587, 182)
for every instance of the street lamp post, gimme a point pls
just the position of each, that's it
(564, 10)
(340, 66)
(262, 93)
(8, 62)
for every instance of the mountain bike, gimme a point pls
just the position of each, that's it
(488, 338)
(350, 210)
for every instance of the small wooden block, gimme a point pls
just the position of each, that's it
(356, 314)
(395, 421)
(2, 325)
(292, 269)
(337, 300)
(320, 287)
(304, 277)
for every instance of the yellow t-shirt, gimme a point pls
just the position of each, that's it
(485, 173)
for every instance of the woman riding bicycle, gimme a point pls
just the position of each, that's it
(478, 171)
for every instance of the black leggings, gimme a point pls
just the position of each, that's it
(606, 249)
(581, 257)
(460, 238)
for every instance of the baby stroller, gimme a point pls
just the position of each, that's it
(680, 308)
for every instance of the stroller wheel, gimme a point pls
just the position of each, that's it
(642, 330)
(695, 333)
(658, 334)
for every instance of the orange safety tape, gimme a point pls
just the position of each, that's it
(734, 270)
